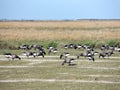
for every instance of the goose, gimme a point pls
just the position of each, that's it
(25, 47)
(91, 56)
(88, 54)
(85, 46)
(110, 53)
(117, 48)
(104, 54)
(69, 46)
(52, 50)
(64, 54)
(82, 54)
(66, 46)
(77, 46)
(68, 61)
(38, 54)
(28, 53)
(42, 51)
(8, 55)
(111, 47)
(37, 47)
(12, 56)
(104, 47)
(50, 47)
(15, 56)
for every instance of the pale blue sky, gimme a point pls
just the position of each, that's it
(59, 9)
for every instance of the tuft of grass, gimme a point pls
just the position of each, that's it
(53, 44)
(113, 42)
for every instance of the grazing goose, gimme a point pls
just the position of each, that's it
(12, 56)
(89, 54)
(110, 53)
(111, 47)
(42, 51)
(24, 47)
(15, 56)
(104, 54)
(68, 61)
(66, 46)
(77, 46)
(28, 53)
(8, 55)
(117, 48)
(104, 47)
(38, 54)
(37, 47)
(52, 50)
(70, 46)
(64, 54)
(82, 54)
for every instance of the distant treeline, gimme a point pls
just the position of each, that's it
(2, 20)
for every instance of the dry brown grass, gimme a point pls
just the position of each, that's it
(58, 35)
(60, 30)
(62, 24)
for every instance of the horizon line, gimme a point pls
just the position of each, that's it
(57, 19)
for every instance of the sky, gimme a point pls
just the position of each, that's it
(59, 9)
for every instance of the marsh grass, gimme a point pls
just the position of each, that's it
(93, 33)
(20, 35)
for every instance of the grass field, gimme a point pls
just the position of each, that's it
(48, 74)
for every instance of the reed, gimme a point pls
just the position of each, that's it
(32, 34)
(62, 31)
